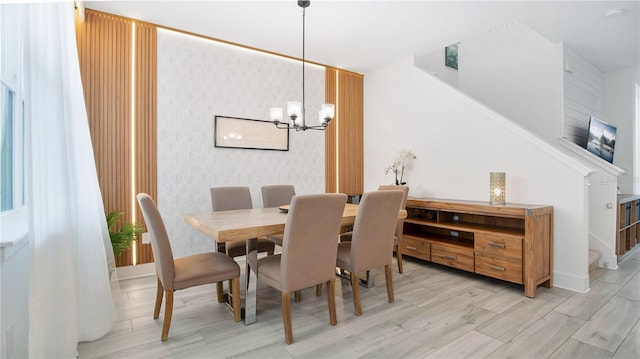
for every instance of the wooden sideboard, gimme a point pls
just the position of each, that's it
(628, 224)
(512, 242)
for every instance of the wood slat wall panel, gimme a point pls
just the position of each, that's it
(330, 134)
(350, 133)
(104, 49)
(145, 123)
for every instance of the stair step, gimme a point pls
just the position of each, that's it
(594, 255)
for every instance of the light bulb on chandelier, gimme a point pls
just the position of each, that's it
(296, 109)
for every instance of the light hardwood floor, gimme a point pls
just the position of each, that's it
(438, 313)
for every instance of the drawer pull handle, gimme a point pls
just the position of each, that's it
(412, 248)
(496, 245)
(501, 269)
(451, 258)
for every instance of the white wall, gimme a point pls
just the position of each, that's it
(517, 72)
(619, 110)
(602, 217)
(458, 141)
(14, 291)
(433, 64)
(198, 79)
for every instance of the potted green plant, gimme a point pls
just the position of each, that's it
(122, 238)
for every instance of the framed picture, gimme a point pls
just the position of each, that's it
(234, 132)
(451, 56)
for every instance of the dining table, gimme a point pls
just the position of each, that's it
(248, 225)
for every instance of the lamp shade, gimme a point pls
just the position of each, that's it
(328, 111)
(275, 114)
(497, 188)
(294, 109)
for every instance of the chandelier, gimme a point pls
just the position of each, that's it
(296, 109)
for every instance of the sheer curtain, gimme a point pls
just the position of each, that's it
(70, 296)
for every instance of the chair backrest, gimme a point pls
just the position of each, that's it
(159, 240)
(310, 242)
(230, 198)
(277, 195)
(405, 194)
(372, 240)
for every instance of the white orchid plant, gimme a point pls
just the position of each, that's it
(402, 161)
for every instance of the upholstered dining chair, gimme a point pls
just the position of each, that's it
(397, 239)
(184, 272)
(371, 243)
(309, 248)
(231, 198)
(276, 196)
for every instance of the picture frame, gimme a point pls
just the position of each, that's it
(451, 56)
(245, 133)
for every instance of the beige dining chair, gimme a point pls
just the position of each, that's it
(309, 248)
(371, 243)
(276, 196)
(232, 198)
(397, 240)
(184, 272)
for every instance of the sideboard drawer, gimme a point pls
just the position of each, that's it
(416, 247)
(504, 268)
(456, 257)
(499, 244)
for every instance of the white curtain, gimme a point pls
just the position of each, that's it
(70, 296)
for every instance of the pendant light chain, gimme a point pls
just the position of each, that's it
(304, 117)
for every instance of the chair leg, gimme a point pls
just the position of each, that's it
(220, 292)
(389, 279)
(235, 299)
(297, 296)
(331, 299)
(168, 310)
(159, 292)
(355, 290)
(318, 290)
(399, 259)
(286, 317)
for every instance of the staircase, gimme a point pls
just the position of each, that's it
(594, 255)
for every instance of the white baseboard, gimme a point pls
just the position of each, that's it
(571, 282)
(140, 270)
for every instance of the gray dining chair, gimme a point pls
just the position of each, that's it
(232, 198)
(184, 272)
(309, 249)
(276, 196)
(397, 238)
(371, 243)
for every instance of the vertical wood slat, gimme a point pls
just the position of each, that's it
(330, 139)
(104, 49)
(344, 138)
(146, 123)
(350, 133)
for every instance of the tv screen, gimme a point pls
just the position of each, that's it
(601, 139)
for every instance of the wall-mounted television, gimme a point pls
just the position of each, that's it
(601, 139)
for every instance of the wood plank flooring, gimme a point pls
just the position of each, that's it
(438, 313)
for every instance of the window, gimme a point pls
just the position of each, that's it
(6, 150)
(13, 223)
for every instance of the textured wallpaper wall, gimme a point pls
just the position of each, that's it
(198, 79)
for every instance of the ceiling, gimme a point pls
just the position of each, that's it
(363, 35)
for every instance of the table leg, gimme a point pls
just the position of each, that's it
(249, 312)
(369, 281)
